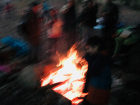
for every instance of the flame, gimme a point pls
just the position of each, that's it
(73, 78)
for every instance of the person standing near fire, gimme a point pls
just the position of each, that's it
(110, 15)
(69, 27)
(54, 31)
(98, 77)
(29, 29)
(87, 18)
(8, 8)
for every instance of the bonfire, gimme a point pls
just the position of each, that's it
(71, 76)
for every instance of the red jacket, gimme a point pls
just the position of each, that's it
(8, 7)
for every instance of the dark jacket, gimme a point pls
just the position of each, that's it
(111, 16)
(69, 18)
(98, 74)
(32, 28)
(88, 16)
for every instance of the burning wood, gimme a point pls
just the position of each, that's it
(49, 70)
(71, 74)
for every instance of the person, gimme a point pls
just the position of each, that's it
(88, 18)
(98, 77)
(89, 14)
(125, 38)
(46, 7)
(69, 27)
(30, 30)
(110, 14)
(7, 9)
(54, 30)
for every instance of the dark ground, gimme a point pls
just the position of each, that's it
(126, 76)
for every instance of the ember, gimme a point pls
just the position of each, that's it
(73, 77)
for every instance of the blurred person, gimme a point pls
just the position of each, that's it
(110, 15)
(7, 9)
(54, 31)
(30, 31)
(46, 7)
(125, 39)
(98, 76)
(33, 30)
(88, 18)
(69, 27)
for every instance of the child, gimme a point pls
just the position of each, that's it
(98, 77)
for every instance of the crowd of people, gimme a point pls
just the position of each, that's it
(63, 23)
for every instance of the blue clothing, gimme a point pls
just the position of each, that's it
(98, 74)
(46, 6)
(20, 46)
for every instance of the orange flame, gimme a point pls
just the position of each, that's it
(73, 76)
